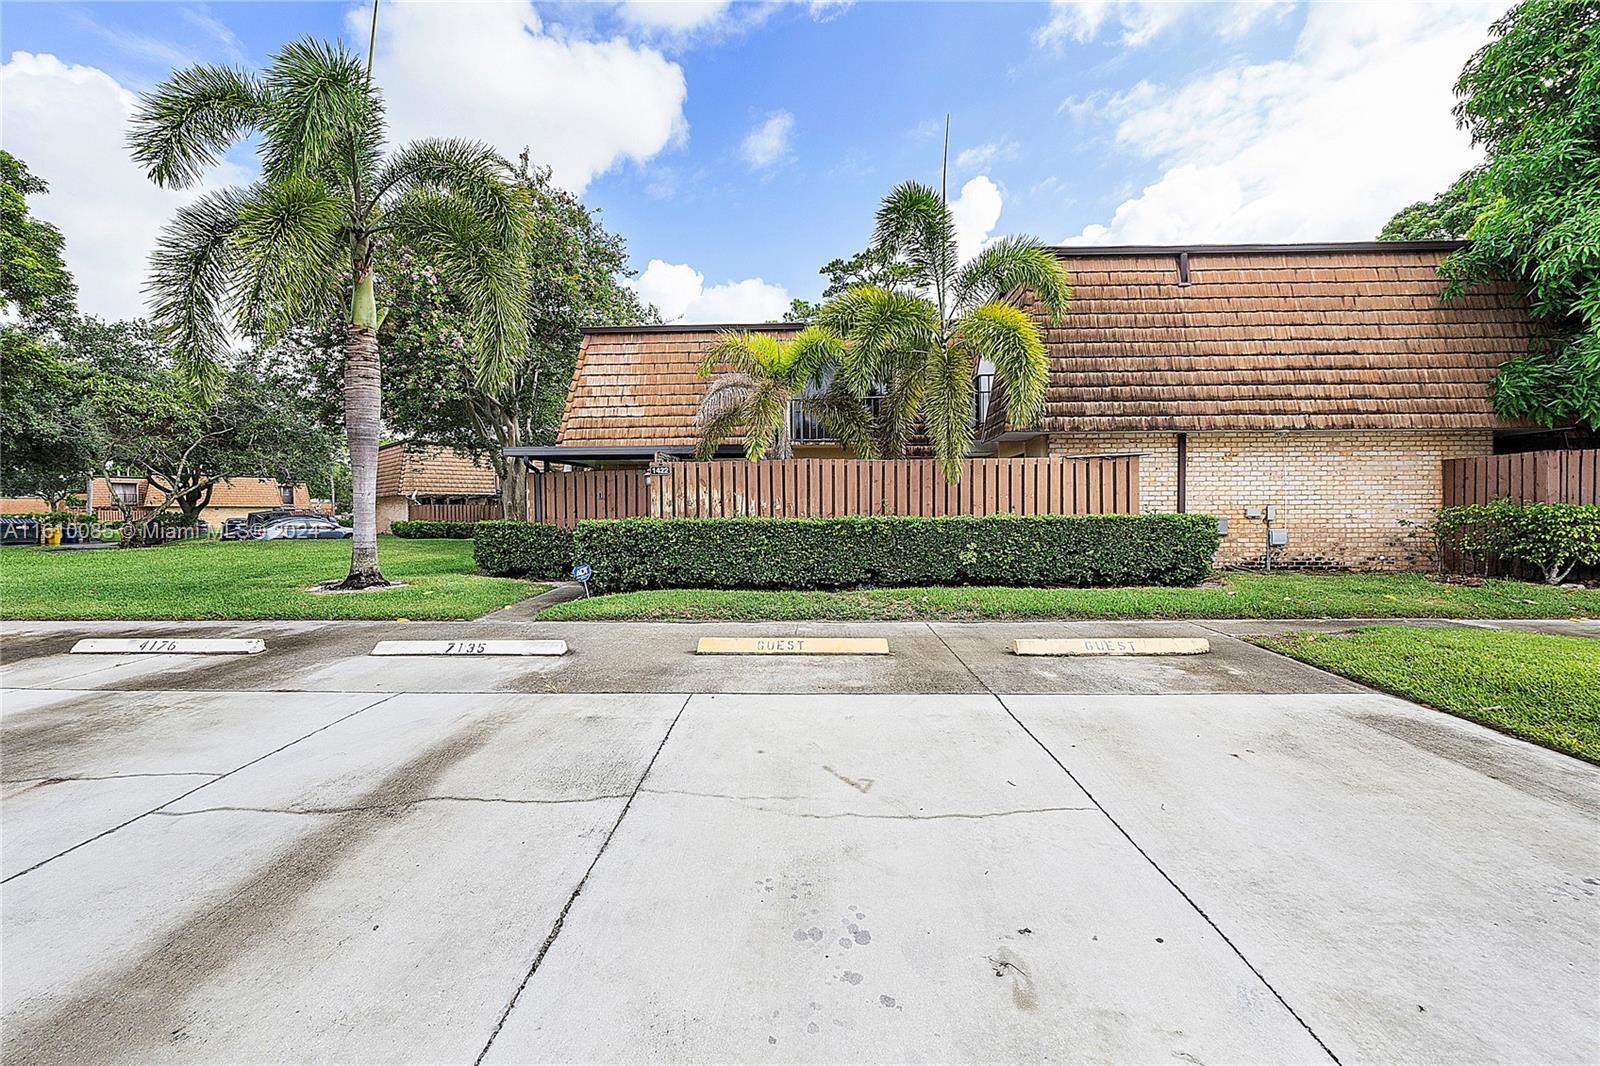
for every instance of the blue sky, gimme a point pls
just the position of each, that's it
(739, 146)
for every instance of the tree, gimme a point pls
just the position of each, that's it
(573, 268)
(874, 266)
(1531, 98)
(308, 237)
(136, 415)
(34, 281)
(922, 348)
(50, 448)
(1447, 217)
(761, 379)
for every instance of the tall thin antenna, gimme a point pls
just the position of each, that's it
(372, 43)
(944, 166)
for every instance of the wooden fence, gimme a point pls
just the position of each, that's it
(1527, 477)
(825, 488)
(476, 511)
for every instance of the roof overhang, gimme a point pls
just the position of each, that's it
(1090, 250)
(580, 454)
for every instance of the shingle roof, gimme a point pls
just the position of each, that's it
(1286, 337)
(638, 385)
(406, 468)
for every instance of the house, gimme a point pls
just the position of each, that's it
(426, 481)
(233, 498)
(1312, 388)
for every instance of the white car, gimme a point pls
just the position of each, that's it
(302, 527)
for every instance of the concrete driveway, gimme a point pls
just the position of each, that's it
(633, 854)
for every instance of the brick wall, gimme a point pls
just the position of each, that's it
(1341, 495)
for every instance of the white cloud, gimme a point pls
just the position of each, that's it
(68, 123)
(679, 292)
(491, 71)
(983, 156)
(975, 211)
(1142, 20)
(675, 16)
(767, 143)
(1323, 145)
(828, 10)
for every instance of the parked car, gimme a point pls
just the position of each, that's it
(301, 527)
(242, 528)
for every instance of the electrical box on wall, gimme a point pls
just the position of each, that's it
(1222, 525)
(1277, 537)
(1252, 512)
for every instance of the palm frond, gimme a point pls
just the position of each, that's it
(486, 266)
(320, 106)
(812, 352)
(468, 170)
(947, 405)
(1007, 337)
(740, 352)
(875, 325)
(191, 280)
(183, 126)
(914, 224)
(844, 415)
(1012, 264)
(292, 254)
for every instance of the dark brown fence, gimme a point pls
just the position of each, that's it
(825, 488)
(477, 511)
(1527, 477)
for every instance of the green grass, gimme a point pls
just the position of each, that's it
(242, 580)
(1541, 688)
(1239, 596)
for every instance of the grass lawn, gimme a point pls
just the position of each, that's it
(1540, 688)
(1240, 596)
(247, 579)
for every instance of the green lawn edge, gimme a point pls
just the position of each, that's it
(1537, 687)
(1234, 595)
(248, 581)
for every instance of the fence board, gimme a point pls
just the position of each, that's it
(1526, 477)
(454, 512)
(838, 487)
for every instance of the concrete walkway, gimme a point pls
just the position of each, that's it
(633, 854)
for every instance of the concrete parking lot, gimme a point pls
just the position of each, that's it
(635, 854)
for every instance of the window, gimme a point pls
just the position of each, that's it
(125, 492)
(286, 494)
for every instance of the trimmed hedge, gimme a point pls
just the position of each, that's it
(531, 548)
(812, 553)
(426, 530)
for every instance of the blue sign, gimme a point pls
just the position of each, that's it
(582, 571)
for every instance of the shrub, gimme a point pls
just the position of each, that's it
(425, 530)
(808, 553)
(1555, 537)
(531, 548)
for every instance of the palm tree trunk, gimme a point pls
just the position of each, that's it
(362, 416)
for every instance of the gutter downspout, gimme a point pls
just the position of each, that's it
(1183, 473)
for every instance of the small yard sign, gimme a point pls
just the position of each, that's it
(582, 573)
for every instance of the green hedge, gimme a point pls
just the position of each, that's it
(425, 530)
(1553, 537)
(810, 553)
(531, 548)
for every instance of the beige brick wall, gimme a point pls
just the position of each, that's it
(1341, 495)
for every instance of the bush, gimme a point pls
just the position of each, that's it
(424, 530)
(531, 548)
(810, 553)
(1555, 537)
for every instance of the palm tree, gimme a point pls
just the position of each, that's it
(923, 348)
(300, 245)
(762, 378)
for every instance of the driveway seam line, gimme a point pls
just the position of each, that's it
(561, 918)
(1175, 886)
(197, 788)
(1142, 853)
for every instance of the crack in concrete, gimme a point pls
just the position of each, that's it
(561, 919)
(753, 803)
(395, 805)
(55, 779)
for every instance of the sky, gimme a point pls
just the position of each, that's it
(738, 147)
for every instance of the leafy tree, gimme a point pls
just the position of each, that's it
(307, 238)
(145, 420)
(761, 379)
(922, 348)
(874, 266)
(1531, 98)
(50, 447)
(34, 281)
(1447, 217)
